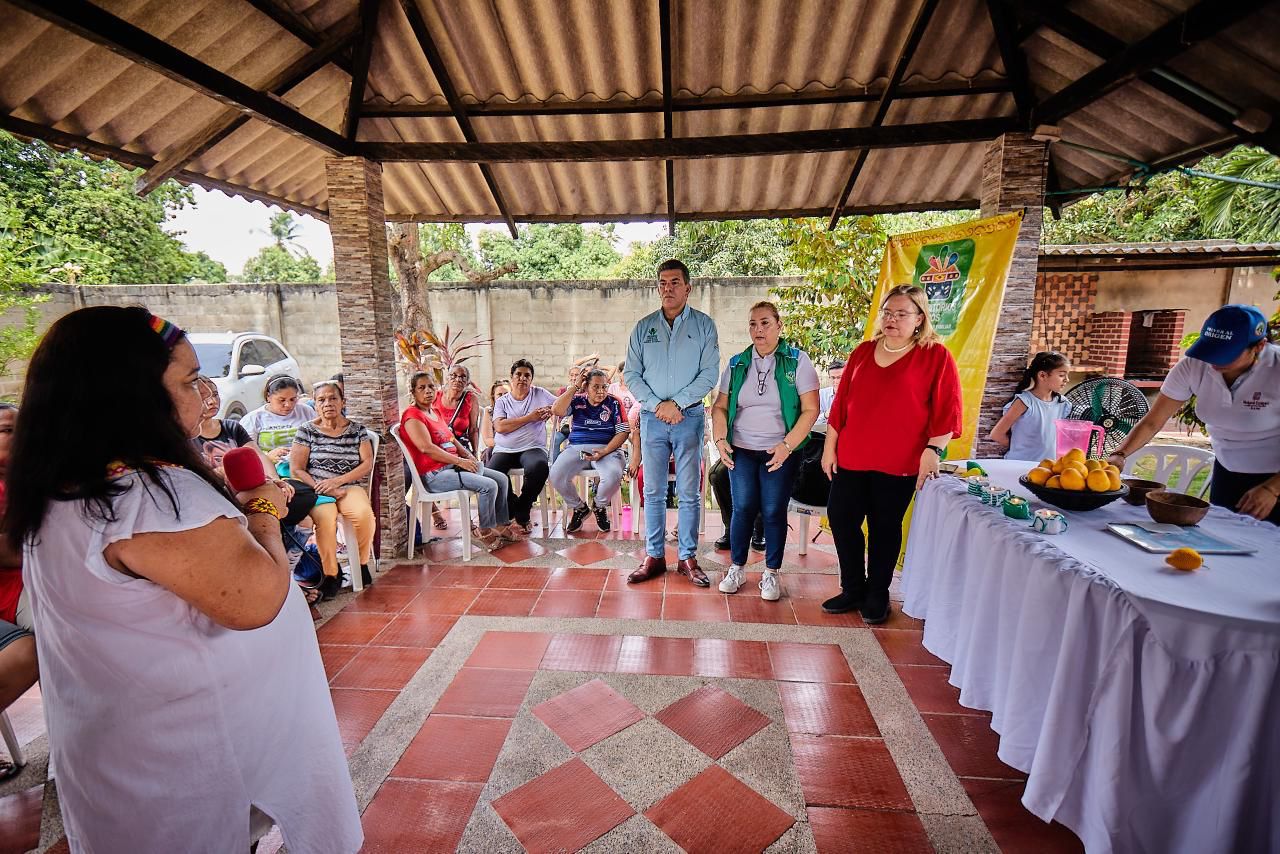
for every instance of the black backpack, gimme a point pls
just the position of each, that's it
(811, 485)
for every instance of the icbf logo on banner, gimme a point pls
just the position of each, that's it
(942, 269)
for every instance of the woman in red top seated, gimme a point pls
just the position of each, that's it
(445, 464)
(18, 668)
(897, 407)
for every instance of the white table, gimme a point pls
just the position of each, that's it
(1142, 702)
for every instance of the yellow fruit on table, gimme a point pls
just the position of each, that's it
(1058, 467)
(1185, 559)
(1074, 454)
(1054, 482)
(1093, 465)
(1114, 477)
(1098, 481)
(1039, 476)
(1079, 467)
(1111, 468)
(1047, 464)
(1072, 480)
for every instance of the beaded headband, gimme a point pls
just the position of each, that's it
(168, 332)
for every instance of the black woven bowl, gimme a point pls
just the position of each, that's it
(1066, 499)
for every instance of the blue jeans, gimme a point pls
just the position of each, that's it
(758, 490)
(659, 442)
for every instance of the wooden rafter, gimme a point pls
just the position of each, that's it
(1202, 21)
(230, 121)
(297, 26)
(119, 36)
(456, 106)
(921, 23)
(360, 67)
(93, 148)
(695, 216)
(693, 147)
(689, 103)
(1102, 44)
(664, 38)
(1015, 63)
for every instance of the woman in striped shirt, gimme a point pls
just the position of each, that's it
(333, 455)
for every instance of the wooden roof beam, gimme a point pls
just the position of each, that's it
(923, 15)
(689, 148)
(456, 107)
(1015, 62)
(120, 37)
(687, 103)
(1201, 22)
(360, 67)
(695, 216)
(664, 38)
(297, 26)
(176, 159)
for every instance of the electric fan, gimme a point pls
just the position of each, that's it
(1111, 403)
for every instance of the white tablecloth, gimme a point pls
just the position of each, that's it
(1143, 703)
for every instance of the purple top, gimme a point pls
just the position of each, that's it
(531, 435)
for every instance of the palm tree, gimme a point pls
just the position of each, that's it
(284, 229)
(1251, 212)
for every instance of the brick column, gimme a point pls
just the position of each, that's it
(1108, 342)
(1013, 178)
(366, 328)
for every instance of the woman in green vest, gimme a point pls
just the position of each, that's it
(768, 401)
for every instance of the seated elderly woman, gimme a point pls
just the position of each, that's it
(445, 464)
(598, 429)
(333, 455)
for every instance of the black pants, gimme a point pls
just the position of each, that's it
(867, 564)
(1228, 487)
(719, 477)
(536, 468)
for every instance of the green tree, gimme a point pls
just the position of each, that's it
(283, 229)
(276, 264)
(754, 247)
(1251, 213)
(446, 236)
(551, 252)
(67, 203)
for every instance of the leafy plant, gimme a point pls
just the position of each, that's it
(423, 350)
(1251, 212)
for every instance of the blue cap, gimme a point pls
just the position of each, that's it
(1226, 334)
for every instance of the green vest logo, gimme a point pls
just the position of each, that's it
(942, 269)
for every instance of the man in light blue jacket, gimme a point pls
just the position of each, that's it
(673, 361)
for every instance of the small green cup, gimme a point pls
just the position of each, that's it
(1017, 508)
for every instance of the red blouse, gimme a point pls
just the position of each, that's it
(885, 416)
(462, 425)
(439, 433)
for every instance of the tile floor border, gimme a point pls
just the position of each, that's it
(933, 786)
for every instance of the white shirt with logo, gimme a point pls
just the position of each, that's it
(1243, 419)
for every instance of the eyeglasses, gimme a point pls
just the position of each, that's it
(897, 315)
(761, 376)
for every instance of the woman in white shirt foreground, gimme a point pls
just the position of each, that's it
(1234, 373)
(186, 703)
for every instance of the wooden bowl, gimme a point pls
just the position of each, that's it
(1175, 508)
(1138, 489)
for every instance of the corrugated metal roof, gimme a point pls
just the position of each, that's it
(608, 52)
(1174, 247)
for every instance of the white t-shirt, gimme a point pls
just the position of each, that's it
(1243, 420)
(758, 424)
(271, 431)
(165, 727)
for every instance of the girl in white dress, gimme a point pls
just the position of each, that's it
(182, 682)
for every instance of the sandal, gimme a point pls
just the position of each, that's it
(490, 542)
(311, 592)
(9, 770)
(438, 521)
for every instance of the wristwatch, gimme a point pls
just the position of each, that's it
(936, 450)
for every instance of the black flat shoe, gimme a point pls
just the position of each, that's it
(330, 586)
(722, 544)
(757, 544)
(876, 608)
(365, 577)
(842, 603)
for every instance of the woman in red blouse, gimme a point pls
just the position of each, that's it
(897, 407)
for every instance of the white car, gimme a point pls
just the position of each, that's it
(240, 363)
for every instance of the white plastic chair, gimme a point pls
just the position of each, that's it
(419, 499)
(805, 512)
(11, 741)
(348, 531)
(1185, 461)
(584, 479)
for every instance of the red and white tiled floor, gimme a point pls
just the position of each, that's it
(533, 700)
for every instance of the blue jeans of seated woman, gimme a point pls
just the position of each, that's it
(489, 486)
(757, 490)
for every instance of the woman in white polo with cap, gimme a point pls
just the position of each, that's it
(1234, 373)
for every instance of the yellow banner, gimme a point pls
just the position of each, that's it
(962, 268)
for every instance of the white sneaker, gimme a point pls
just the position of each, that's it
(733, 579)
(770, 590)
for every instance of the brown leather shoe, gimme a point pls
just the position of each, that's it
(651, 568)
(690, 569)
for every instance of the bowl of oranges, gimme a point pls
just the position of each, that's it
(1072, 482)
